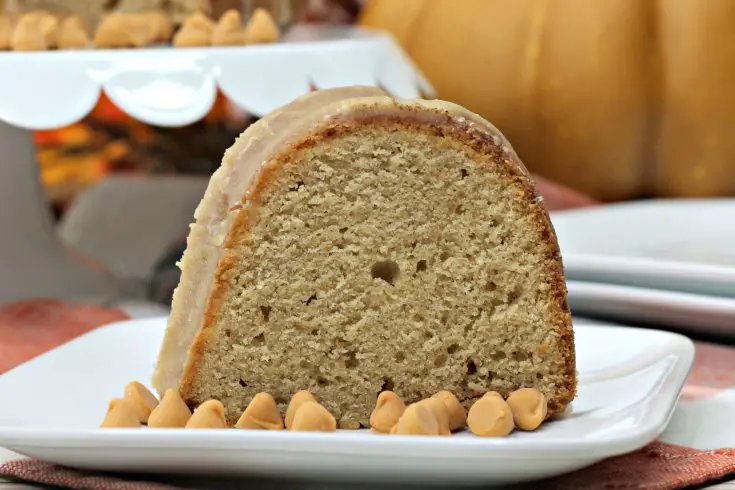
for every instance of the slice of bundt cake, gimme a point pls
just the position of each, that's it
(352, 243)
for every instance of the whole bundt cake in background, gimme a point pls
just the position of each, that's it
(352, 243)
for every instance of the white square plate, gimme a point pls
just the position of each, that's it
(676, 245)
(629, 379)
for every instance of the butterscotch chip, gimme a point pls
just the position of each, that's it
(529, 408)
(110, 32)
(124, 30)
(72, 34)
(196, 31)
(191, 38)
(160, 24)
(296, 401)
(229, 30)
(261, 413)
(457, 413)
(50, 31)
(261, 28)
(6, 33)
(388, 409)
(313, 417)
(490, 416)
(171, 412)
(417, 420)
(142, 399)
(439, 410)
(121, 413)
(28, 35)
(208, 415)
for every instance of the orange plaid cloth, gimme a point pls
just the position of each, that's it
(28, 329)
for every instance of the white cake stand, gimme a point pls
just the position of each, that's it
(161, 86)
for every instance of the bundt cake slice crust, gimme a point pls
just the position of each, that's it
(461, 290)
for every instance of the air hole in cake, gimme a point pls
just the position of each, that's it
(280, 400)
(471, 367)
(343, 230)
(243, 383)
(490, 286)
(440, 360)
(519, 356)
(387, 270)
(400, 356)
(539, 376)
(515, 293)
(266, 311)
(304, 364)
(308, 300)
(444, 318)
(228, 333)
(452, 348)
(258, 339)
(444, 256)
(490, 375)
(387, 385)
(464, 173)
(351, 361)
(414, 245)
(418, 318)
(459, 209)
(428, 334)
(420, 266)
(321, 381)
(498, 355)
(314, 331)
(297, 185)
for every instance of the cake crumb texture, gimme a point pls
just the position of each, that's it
(386, 255)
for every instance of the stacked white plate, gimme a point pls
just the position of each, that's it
(664, 262)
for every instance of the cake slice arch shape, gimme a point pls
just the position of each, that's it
(351, 243)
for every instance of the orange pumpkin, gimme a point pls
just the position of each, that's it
(617, 98)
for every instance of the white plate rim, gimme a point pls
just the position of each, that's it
(583, 265)
(687, 311)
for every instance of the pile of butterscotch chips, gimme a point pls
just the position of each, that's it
(439, 415)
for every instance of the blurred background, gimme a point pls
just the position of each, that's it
(657, 70)
(604, 101)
